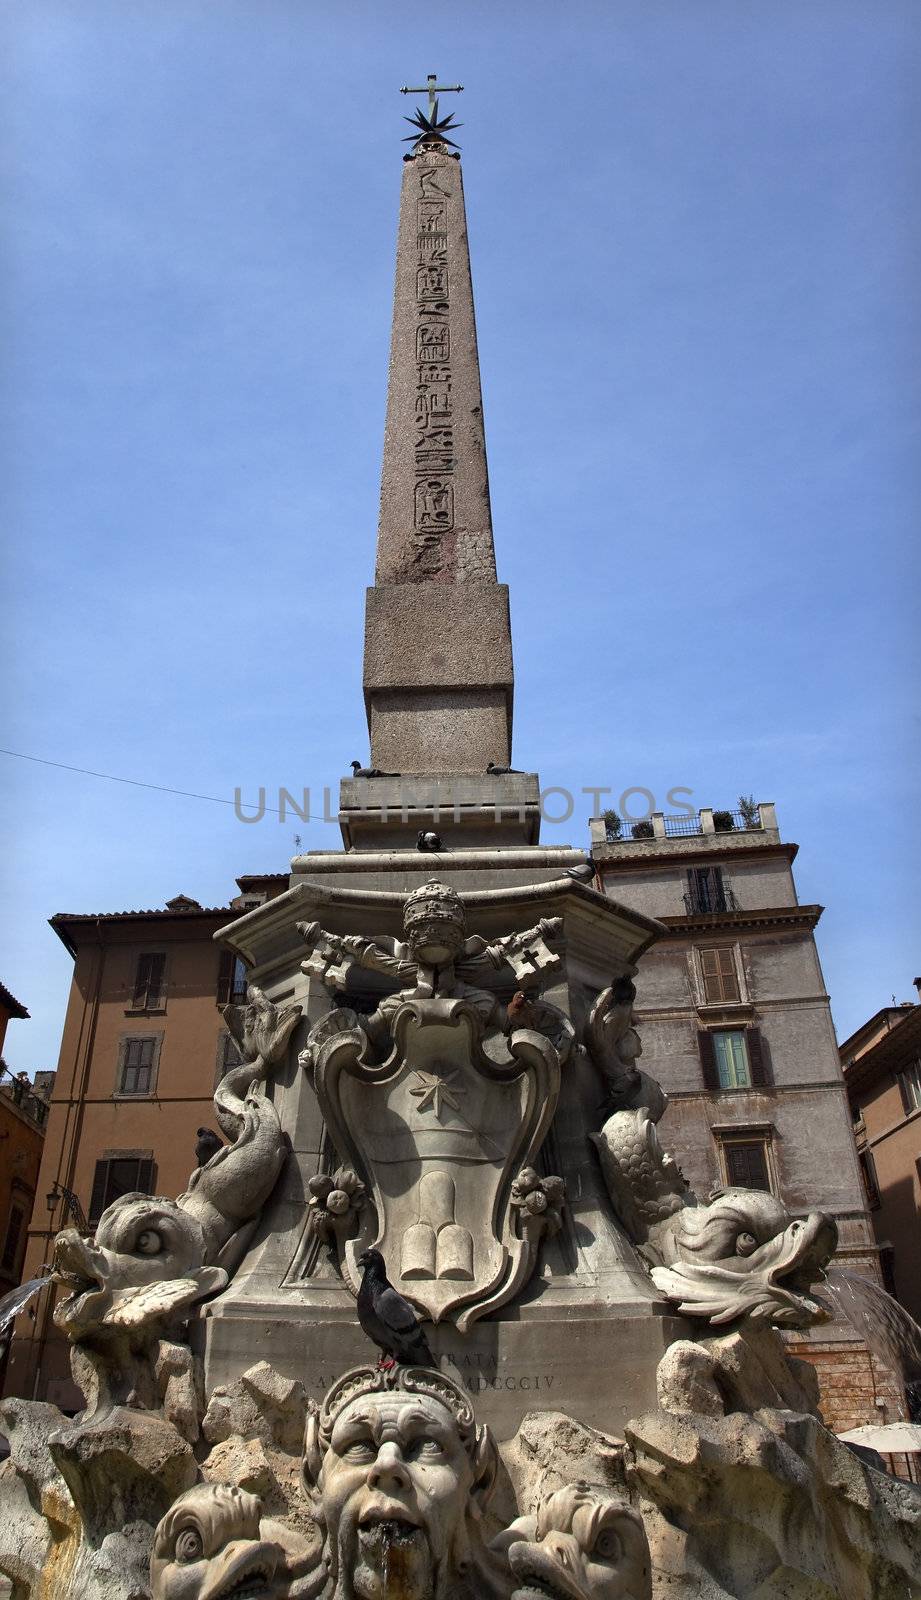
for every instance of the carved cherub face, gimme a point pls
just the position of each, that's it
(207, 1547)
(584, 1544)
(395, 1484)
(145, 1261)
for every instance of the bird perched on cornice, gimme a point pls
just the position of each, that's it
(583, 873)
(389, 1321)
(495, 771)
(428, 843)
(358, 771)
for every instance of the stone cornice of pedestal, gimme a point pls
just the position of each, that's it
(596, 929)
(482, 811)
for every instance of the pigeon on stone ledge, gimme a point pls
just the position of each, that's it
(428, 842)
(584, 873)
(207, 1144)
(500, 772)
(358, 771)
(389, 1321)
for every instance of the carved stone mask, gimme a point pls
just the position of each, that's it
(584, 1544)
(207, 1547)
(400, 1492)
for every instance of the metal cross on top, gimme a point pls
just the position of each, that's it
(434, 89)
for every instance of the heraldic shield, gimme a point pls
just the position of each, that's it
(438, 1132)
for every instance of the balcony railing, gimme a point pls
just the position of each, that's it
(710, 900)
(20, 1091)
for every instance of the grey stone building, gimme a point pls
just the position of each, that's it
(736, 1025)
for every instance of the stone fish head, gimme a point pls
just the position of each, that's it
(744, 1254)
(585, 1543)
(145, 1264)
(208, 1547)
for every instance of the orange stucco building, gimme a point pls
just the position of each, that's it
(143, 1046)
(882, 1072)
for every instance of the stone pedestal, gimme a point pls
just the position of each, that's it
(590, 1306)
(478, 812)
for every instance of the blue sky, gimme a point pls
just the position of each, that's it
(695, 237)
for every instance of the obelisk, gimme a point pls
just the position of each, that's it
(438, 649)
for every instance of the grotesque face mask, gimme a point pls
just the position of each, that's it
(399, 1490)
(208, 1548)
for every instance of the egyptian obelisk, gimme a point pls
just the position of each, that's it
(438, 649)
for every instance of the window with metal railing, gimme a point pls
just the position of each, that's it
(708, 893)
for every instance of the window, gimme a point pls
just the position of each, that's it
(231, 982)
(868, 1174)
(707, 892)
(721, 981)
(11, 1243)
(136, 1074)
(734, 1058)
(910, 1087)
(126, 1172)
(148, 983)
(746, 1164)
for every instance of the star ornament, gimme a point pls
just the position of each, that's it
(431, 127)
(432, 1091)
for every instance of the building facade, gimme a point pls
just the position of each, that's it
(735, 1023)
(881, 1062)
(143, 1046)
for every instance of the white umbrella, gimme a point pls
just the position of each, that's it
(891, 1438)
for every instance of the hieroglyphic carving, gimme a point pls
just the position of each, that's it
(434, 458)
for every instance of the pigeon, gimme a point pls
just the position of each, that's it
(428, 842)
(520, 1011)
(584, 873)
(207, 1144)
(389, 1321)
(358, 771)
(500, 772)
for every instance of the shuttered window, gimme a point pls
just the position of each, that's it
(910, 1087)
(733, 1058)
(746, 1164)
(148, 982)
(231, 981)
(870, 1180)
(118, 1175)
(718, 968)
(137, 1064)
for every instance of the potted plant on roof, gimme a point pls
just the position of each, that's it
(643, 830)
(723, 821)
(612, 826)
(751, 813)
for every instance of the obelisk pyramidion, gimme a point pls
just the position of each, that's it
(438, 649)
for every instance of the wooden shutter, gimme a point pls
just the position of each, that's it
(708, 1060)
(100, 1186)
(908, 1104)
(155, 972)
(140, 981)
(145, 1177)
(721, 983)
(225, 978)
(746, 1165)
(758, 1059)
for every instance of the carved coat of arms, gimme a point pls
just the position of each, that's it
(441, 1099)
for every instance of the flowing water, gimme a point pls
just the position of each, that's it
(888, 1329)
(11, 1304)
